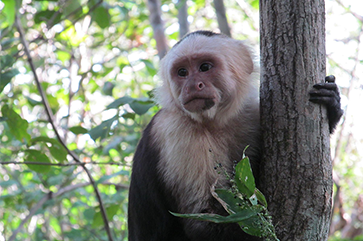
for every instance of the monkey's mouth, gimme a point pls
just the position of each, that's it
(199, 104)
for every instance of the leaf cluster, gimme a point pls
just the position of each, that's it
(244, 203)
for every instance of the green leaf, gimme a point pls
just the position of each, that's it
(72, 9)
(37, 156)
(6, 61)
(110, 211)
(141, 107)
(89, 214)
(102, 17)
(242, 215)
(63, 56)
(244, 177)
(9, 11)
(33, 102)
(149, 66)
(55, 148)
(252, 226)
(230, 200)
(78, 130)
(17, 125)
(108, 88)
(58, 152)
(102, 130)
(261, 198)
(119, 102)
(6, 77)
(45, 16)
(129, 116)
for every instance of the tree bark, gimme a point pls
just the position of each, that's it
(296, 169)
(158, 27)
(221, 17)
(183, 18)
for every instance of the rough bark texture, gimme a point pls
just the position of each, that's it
(221, 17)
(158, 27)
(296, 168)
(183, 18)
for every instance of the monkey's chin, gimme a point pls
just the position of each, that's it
(199, 105)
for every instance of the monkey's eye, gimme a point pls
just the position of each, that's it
(182, 72)
(205, 67)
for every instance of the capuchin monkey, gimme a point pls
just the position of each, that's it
(210, 113)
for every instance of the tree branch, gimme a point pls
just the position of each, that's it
(221, 17)
(158, 27)
(51, 121)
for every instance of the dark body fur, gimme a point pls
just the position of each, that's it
(208, 118)
(151, 199)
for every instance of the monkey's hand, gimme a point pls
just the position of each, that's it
(328, 94)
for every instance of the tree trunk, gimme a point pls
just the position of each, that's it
(221, 17)
(296, 169)
(183, 18)
(158, 27)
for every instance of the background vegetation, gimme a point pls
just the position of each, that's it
(76, 81)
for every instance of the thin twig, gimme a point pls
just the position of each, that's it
(51, 121)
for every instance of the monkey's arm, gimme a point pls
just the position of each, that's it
(328, 94)
(148, 216)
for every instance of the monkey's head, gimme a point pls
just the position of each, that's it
(207, 76)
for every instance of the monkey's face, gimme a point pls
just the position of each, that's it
(206, 77)
(196, 81)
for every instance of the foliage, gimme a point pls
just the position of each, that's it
(244, 203)
(95, 61)
(94, 64)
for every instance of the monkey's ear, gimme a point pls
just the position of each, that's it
(246, 58)
(240, 58)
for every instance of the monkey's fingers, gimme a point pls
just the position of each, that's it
(328, 86)
(322, 92)
(330, 79)
(326, 100)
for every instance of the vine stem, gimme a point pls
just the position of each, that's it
(51, 121)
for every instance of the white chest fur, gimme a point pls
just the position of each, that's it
(189, 154)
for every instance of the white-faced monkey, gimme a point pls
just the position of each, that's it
(210, 113)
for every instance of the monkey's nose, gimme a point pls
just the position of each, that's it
(200, 86)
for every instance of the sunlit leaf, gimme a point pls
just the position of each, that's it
(9, 11)
(63, 55)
